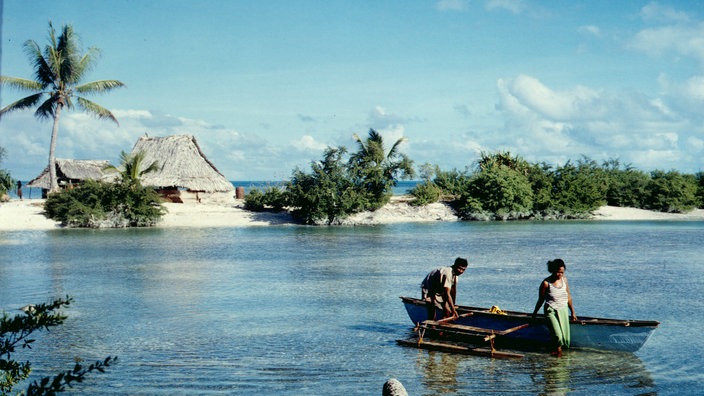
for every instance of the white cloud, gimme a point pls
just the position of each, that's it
(687, 41)
(514, 6)
(133, 114)
(379, 118)
(655, 12)
(549, 124)
(235, 154)
(687, 97)
(696, 143)
(693, 89)
(591, 30)
(308, 143)
(581, 102)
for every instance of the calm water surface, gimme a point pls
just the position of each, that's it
(315, 311)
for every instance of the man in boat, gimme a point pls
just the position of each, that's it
(439, 289)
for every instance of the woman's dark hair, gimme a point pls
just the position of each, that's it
(554, 265)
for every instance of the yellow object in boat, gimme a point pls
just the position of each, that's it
(496, 310)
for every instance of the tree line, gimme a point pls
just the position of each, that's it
(504, 186)
(500, 186)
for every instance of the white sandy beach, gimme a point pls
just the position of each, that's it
(27, 215)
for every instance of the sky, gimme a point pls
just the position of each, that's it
(266, 86)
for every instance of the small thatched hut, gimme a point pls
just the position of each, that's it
(70, 173)
(182, 166)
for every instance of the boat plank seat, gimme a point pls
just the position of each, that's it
(436, 325)
(447, 347)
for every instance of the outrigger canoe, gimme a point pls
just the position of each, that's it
(518, 330)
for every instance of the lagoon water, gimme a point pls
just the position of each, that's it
(293, 310)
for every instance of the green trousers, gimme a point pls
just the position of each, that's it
(558, 322)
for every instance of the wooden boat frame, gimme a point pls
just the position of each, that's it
(521, 330)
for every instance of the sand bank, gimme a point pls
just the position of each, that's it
(27, 215)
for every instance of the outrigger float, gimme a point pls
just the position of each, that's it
(517, 331)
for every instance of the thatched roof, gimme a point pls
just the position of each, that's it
(71, 170)
(181, 164)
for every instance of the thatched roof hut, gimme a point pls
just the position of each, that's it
(181, 163)
(71, 172)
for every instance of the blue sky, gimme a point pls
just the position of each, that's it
(265, 86)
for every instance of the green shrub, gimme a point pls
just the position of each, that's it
(254, 200)
(626, 186)
(579, 189)
(97, 204)
(700, 189)
(671, 192)
(336, 187)
(327, 194)
(541, 179)
(273, 198)
(425, 193)
(452, 183)
(498, 190)
(6, 181)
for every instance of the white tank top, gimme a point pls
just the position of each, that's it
(556, 297)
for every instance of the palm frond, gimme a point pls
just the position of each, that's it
(69, 50)
(98, 86)
(153, 167)
(374, 135)
(29, 101)
(22, 84)
(52, 58)
(395, 147)
(68, 101)
(362, 146)
(42, 71)
(86, 63)
(68, 43)
(95, 109)
(46, 109)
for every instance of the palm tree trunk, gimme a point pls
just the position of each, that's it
(53, 183)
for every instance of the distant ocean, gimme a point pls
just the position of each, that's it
(401, 188)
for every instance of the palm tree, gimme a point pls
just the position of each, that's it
(58, 71)
(132, 167)
(377, 170)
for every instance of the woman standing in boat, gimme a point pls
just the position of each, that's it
(555, 294)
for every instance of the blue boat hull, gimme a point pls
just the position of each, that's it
(587, 332)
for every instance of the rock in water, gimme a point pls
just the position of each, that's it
(393, 387)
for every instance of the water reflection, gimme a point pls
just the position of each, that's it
(439, 371)
(556, 375)
(577, 372)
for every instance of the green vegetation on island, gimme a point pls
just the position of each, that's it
(503, 186)
(6, 181)
(500, 186)
(339, 184)
(100, 204)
